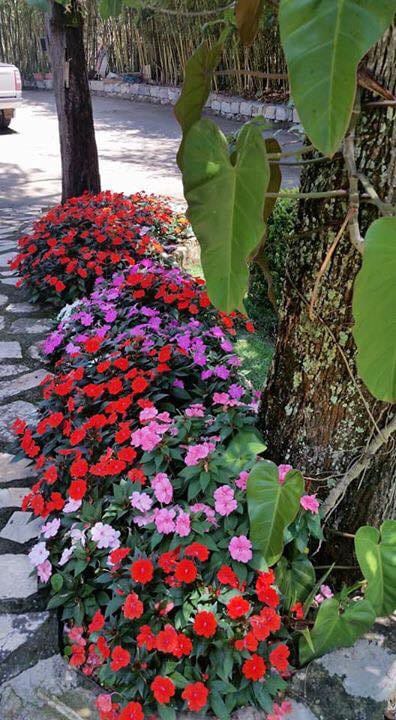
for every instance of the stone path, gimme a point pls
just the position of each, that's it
(357, 683)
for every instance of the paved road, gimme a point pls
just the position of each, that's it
(137, 146)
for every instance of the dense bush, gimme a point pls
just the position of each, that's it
(90, 237)
(279, 232)
(143, 450)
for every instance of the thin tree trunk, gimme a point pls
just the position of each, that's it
(315, 413)
(80, 167)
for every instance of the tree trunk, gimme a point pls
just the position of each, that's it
(79, 155)
(316, 414)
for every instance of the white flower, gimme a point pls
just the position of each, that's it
(50, 528)
(105, 536)
(66, 555)
(72, 506)
(141, 501)
(38, 554)
(77, 536)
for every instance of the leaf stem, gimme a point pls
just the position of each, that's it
(308, 195)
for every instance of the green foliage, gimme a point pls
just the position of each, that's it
(335, 627)
(324, 41)
(242, 450)
(376, 554)
(272, 507)
(225, 200)
(196, 87)
(374, 309)
(110, 8)
(248, 14)
(295, 578)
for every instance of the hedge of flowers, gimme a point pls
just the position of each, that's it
(143, 450)
(89, 237)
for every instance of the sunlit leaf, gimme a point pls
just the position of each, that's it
(295, 579)
(374, 310)
(225, 205)
(324, 40)
(248, 14)
(376, 554)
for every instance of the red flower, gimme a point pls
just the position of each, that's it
(132, 711)
(279, 658)
(146, 638)
(116, 556)
(196, 696)
(237, 607)
(249, 642)
(120, 658)
(97, 622)
(79, 468)
(168, 560)
(139, 385)
(271, 617)
(142, 571)
(297, 610)
(197, 550)
(186, 571)
(226, 576)
(205, 624)
(254, 668)
(133, 607)
(103, 647)
(167, 640)
(163, 689)
(77, 489)
(77, 657)
(184, 646)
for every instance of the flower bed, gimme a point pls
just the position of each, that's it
(89, 237)
(143, 449)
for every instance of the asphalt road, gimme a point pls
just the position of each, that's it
(137, 144)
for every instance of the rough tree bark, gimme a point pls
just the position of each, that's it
(80, 167)
(315, 413)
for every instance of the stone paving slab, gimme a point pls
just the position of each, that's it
(17, 470)
(16, 578)
(17, 409)
(3, 299)
(21, 527)
(12, 497)
(9, 369)
(10, 349)
(30, 326)
(6, 258)
(31, 380)
(22, 308)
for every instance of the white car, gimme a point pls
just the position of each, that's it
(10, 93)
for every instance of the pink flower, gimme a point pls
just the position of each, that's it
(225, 502)
(105, 536)
(148, 414)
(183, 524)
(279, 711)
(196, 453)
(206, 509)
(38, 554)
(309, 502)
(162, 487)
(103, 703)
(325, 594)
(44, 571)
(141, 501)
(282, 472)
(240, 549)
(196, 410)
(146, 438)
(164, 521)
(241, 481)
(50, 529)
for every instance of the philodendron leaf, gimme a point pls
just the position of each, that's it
(196, 86)
(272, 507)
(374, 310)
(334, 629)
(272, 146)
(225, 205)
(323, 41)
(247, 15)
(295, 579)
(242, 449)
(376, 554)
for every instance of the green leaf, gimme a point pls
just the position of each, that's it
(295, 579)
(376, 554)
(196, 87)
(323, 41)
(247, 15)
(272, 146)
(225, 205)
(242, 449)
(272, 507)
(374, 310)
(110, 8)
(218, 706)
(332, 629)
(166, 712)
(57, 582)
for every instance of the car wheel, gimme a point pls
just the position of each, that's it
(4, 121)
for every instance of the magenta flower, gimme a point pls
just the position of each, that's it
(240, 549)
(225, 502)
(282, 472)
(241, 481)
(183, 524)
(310, 503)
(196, 410)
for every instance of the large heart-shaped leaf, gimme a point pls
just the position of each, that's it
(376, 554)
(196, 86)
(272, 507)
(374, 310)
(324, 40)
(334, 629)
(242, 450)
(225, 205)
(247, 15)
(295, 578)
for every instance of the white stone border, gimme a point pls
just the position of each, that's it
(231, 107)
